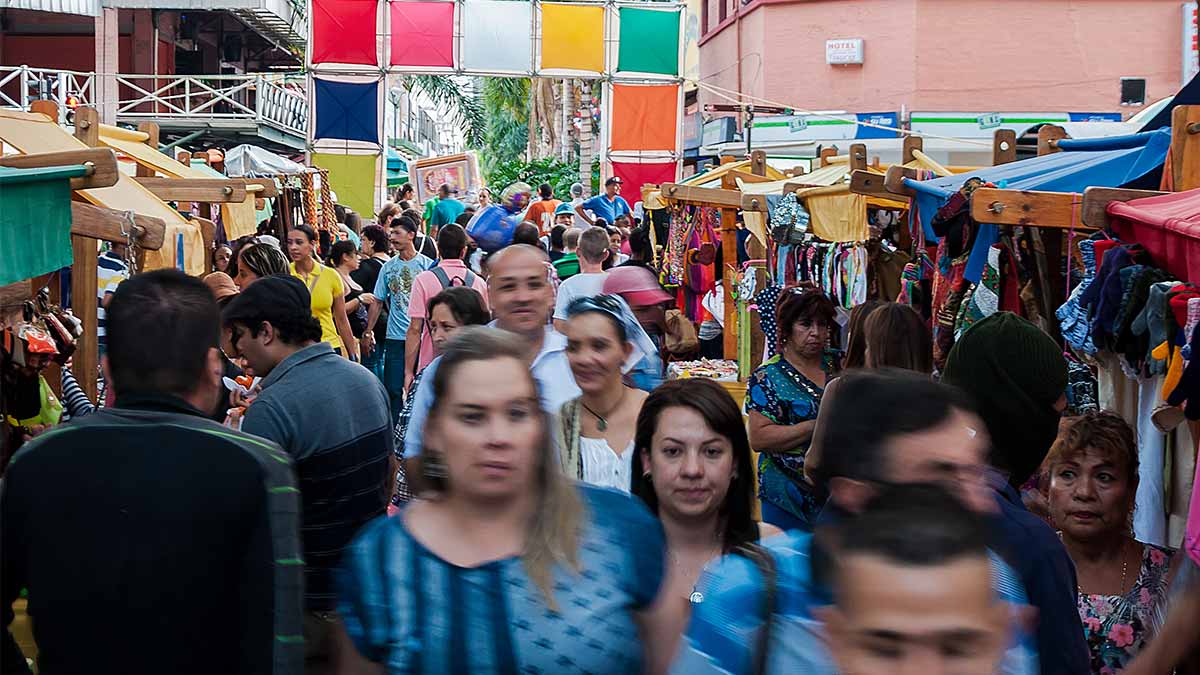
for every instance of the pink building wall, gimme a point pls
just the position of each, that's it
(932, 55)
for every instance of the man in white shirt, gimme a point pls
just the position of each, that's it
(593, 251)
(521, 297)
(576, 200)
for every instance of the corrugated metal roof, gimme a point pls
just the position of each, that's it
(83, 7)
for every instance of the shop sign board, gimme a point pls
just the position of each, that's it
(844, 51)
(1191, 40)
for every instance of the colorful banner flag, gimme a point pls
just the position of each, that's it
(422, 34)
(645, 118)
(573, 37)
(345, 31)
(649, 41)
(346, 111)
(636, 174)
(352, 177)
(497, 36)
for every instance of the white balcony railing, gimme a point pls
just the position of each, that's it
(274, 99)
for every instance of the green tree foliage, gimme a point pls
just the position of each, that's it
(560, 175)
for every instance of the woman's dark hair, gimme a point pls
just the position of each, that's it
(464, 218)
(404, 205)
(264, 260)
(404, 192)
(452, 242)
(466, 304)
(339, 213)
(556, 237)
(639, 244)
(856, 341)
(354, 222)
(897, 337)
(1102, 431)
(340, 250)
(308, 232)
(603, 305)
(717, 407)
(377, 236)
(803, 304)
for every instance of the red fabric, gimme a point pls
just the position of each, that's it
(422, 34)
(634, 175)
(1101, 248)
(1168, 226)
(344, 31)
(1179, 303)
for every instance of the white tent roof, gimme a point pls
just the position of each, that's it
(250, 161)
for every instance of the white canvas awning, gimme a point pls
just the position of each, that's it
(83, 7)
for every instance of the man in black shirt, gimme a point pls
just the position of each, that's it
(151, 539)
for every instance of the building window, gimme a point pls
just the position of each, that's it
(704, 17)
(724, 9)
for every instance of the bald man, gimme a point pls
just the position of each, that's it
(521, 297)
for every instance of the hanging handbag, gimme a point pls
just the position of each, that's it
(789, 221)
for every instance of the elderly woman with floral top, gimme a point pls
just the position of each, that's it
(783, 397)
(1122, 582)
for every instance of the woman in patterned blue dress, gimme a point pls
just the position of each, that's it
(508, 567)
(782, 398)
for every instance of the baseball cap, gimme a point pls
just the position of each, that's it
(615, 180)
(637, 285)
(564, 208)
(272, 299)
(577, 189)
(221, 285)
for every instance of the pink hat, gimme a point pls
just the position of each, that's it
(637, 285)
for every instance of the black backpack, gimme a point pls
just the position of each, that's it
(468, 279)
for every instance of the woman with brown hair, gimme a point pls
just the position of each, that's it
(856, 342)
(693, 469)
(504, 565)
(1122, 583)
(783, 397)
(892, 336)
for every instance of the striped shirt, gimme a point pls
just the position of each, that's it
(111, 270)
(332, 417)
(152, 540)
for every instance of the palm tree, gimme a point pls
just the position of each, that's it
(466, 109)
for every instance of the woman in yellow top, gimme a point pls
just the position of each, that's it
(326, 288)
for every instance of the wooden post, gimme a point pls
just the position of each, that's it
(758, 162)
(84, 284)
(47, 108)
(1185, 147)
(827, 154)
(858, 157)
(1048, 137)
(911, 143)
(151, 130)
(729, 256)
(1004, 147)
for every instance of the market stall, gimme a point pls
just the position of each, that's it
(303, 193)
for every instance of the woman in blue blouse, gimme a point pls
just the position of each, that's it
(783, 397)
(509, 567)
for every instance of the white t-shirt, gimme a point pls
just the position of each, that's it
(580, 222)
(578, 286)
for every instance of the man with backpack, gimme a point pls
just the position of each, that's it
(451, 271)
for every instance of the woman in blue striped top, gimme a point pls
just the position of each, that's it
(510, 567)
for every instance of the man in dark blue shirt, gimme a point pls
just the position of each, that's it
(607, 206)
(1017, 377)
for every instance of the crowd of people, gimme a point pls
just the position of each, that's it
(393, 452)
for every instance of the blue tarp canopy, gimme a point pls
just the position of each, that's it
(1118, 161)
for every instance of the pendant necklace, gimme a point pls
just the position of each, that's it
(601, 421)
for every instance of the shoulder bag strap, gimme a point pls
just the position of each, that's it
(765, 563)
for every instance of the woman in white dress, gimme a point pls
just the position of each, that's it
(595, 431)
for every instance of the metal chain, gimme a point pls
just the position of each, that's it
(129, 231)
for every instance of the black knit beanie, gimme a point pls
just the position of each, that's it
(1015, 373)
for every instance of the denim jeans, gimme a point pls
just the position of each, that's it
(393, 375)
(374, 362)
